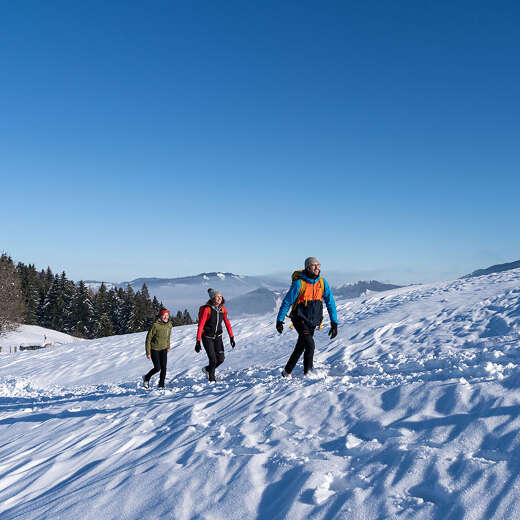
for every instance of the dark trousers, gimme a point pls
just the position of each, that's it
(215, 350)
(305, 346)
(159, 360)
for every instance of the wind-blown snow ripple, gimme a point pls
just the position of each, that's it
(412, 412)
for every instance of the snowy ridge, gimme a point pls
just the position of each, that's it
(412, 412)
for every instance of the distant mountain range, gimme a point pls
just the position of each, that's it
(190, 292)
(499, 268)
(245, 295)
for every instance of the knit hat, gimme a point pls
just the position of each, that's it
(213, 292)
(311, 260)
(162, 312)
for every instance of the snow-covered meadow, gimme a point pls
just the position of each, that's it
(413, 412)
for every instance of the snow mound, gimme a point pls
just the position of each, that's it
(34, 335)
(412, 412)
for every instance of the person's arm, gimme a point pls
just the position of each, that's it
(169, 337)
(329, 302)
(149, 337)
(203, 319)
(226, 321)
(289, 299)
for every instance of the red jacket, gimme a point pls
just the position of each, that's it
(210, 322)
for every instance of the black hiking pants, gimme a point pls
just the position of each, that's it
(159, 360)
(305, 346)
(215, 350)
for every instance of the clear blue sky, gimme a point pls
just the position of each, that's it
(171, 138)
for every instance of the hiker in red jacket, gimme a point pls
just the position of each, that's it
(211, 316)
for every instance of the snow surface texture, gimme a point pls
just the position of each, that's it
(412, 413)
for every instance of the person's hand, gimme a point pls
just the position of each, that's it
(232, 341)
(279, 326)
(333, 332)
(168, 350)
(148, 356)
(197, 346)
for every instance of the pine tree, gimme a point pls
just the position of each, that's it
(30, 286)
(11, 298)
(83, 312)
(105, 327)
(51, 314)
(186, 318)
(177, 320)
(156, 306)
(128, 311)
(67, 290)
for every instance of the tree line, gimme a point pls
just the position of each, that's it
(53, 301)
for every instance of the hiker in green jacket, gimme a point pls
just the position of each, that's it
(157, 347)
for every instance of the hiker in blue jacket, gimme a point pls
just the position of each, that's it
(306, 296)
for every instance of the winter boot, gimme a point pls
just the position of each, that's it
(146, 383)
(286, 374)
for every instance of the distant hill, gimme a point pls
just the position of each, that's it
(255, 303)
(190, 292)
(263, 300)
(355, 290)
(245, 295)
(499, 268)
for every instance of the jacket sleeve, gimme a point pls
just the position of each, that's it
(226, 321)
(329, 302)
(202, 322)
(289, 299)
(149, 337)
(170, 336)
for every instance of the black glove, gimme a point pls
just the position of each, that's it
(279, 326)
(232, 341)
(333, 332)
(197, 346)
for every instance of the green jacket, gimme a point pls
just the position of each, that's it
(158, 337)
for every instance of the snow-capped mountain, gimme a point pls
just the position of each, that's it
(411, 413)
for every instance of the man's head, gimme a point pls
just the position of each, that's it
(312, 266)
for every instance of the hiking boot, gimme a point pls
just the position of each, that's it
(286, 374)
(146, 383)
(161, 384)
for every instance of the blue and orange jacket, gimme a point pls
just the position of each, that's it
(309, 307)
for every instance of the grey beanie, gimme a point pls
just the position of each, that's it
(311, 260)
(213, 292)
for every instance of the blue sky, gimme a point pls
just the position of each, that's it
(171, 138)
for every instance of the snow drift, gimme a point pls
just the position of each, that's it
(412, 412)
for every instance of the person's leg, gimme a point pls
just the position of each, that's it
(308, 356)
(163, 362)
(156, 364)
(297, 352)
(219, 351)
(209, 347)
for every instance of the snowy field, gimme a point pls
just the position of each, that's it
(33, 335)
(412, 413)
